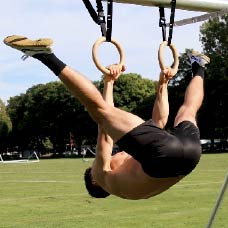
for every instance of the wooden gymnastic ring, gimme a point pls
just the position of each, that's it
(174, 69)
(96, 45)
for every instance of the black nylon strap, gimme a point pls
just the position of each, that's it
(91, 10)
(109, 21)
(99, 17)
(162, 21)
(171, 23)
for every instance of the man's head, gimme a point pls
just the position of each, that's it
(93, 189)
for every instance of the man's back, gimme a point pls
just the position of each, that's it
(127, 179)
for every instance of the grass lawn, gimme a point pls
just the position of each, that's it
(51, 193)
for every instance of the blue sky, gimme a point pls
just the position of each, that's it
(73, 31)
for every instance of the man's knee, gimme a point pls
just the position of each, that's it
(185, 114)
(103, 114)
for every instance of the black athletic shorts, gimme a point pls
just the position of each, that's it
(163, 154)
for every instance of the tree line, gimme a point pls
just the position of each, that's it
(47, 117)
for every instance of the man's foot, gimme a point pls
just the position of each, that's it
(27, 46)
(199, 58)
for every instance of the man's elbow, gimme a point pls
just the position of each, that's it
(100, 172)
(101, 178)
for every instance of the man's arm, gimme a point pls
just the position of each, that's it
(104, 141)
(161, 106)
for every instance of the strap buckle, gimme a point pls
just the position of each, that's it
(162, 22)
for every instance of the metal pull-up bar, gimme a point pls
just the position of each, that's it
(192, 5)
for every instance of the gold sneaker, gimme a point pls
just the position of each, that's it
(27, 46)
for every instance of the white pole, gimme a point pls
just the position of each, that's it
(192, 5)
(218, 202)
(1, 158)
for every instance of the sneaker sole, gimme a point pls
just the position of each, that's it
(22, 42)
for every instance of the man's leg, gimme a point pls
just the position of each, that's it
(114, 121)
(195, 91)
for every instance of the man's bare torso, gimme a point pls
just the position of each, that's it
(131, 182)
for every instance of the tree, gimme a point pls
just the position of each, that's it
(5, 126)
(212, 116)
(46, 111)
(131, 90)
(214, 37)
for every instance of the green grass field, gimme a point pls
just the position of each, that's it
(52, 194)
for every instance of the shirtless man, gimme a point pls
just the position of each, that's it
(152, 160)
